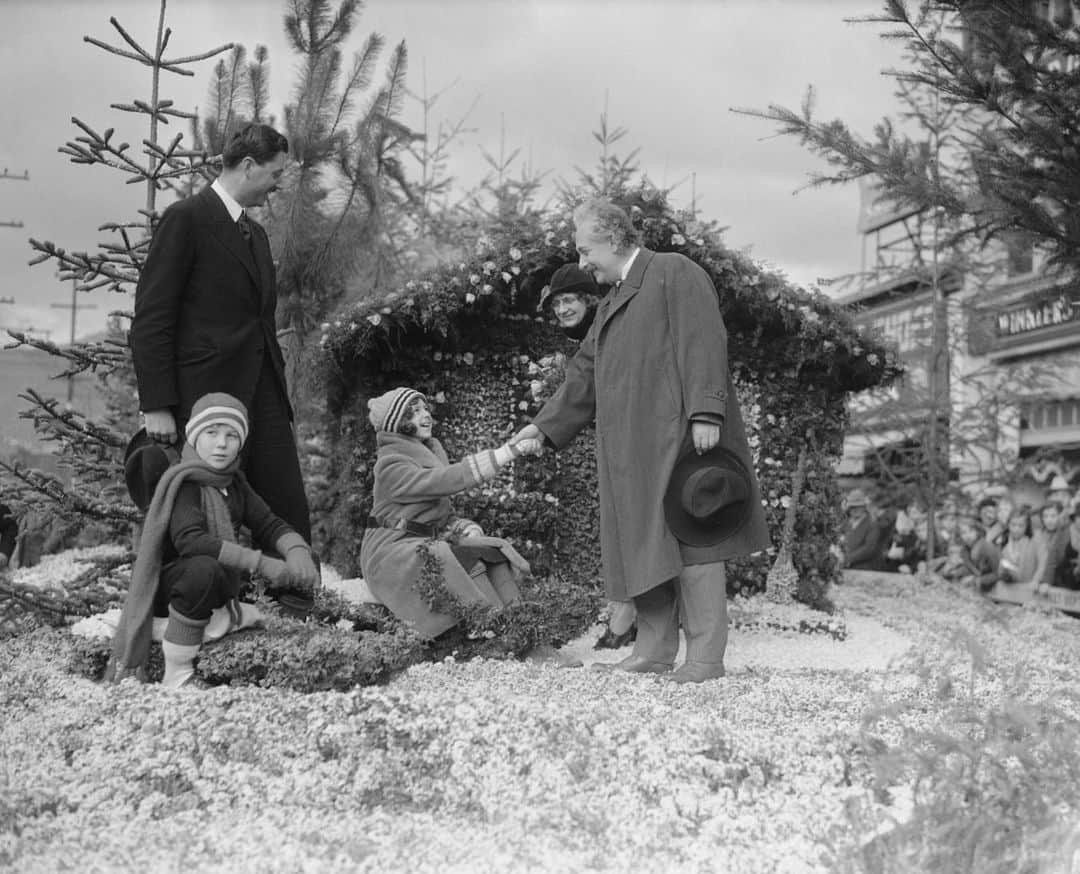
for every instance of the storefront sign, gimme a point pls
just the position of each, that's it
(1035, 314)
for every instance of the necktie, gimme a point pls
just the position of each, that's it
(245, 227)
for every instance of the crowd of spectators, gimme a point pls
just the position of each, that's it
(988, 542)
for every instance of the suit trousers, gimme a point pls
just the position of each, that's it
(696, 598)
(271, 462)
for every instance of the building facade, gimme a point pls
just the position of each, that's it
(992, 351)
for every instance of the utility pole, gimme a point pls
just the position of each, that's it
(24, 178)
(74, 306)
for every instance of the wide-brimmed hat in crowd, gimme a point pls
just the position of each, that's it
(707, 499)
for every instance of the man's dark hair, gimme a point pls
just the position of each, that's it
(987, 502)
(257, 141)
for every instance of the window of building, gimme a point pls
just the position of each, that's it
(1038, 416)
(1019, 254)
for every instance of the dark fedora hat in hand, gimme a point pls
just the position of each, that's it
(708, 497)
(145, 460)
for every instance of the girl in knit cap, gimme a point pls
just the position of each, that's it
(189, 563)
(413, 482)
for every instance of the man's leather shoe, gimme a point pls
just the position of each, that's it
(634, 664)
(697, 672)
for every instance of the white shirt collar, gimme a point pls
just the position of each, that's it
(629, 263)
(234, 208)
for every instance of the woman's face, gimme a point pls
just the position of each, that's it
(988, 515)
(569, 309)
(1017, 527)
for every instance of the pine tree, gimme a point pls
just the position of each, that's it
(92, 449)
(1011, 69)
(983, 150)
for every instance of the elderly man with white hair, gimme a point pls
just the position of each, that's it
(678, 493)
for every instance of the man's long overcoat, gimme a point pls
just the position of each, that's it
(655, 356)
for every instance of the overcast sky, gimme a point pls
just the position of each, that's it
(539, 70)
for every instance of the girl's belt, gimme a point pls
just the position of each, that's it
(417, 529)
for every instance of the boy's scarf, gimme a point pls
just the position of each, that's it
(131, 644)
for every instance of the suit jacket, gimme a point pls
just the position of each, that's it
(655, 357)
(204, 309)
(862, 544)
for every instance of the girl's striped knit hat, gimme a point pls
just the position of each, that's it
(217, 408)
(386, 411)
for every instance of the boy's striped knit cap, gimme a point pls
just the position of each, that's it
(387, 410)
(217, 408)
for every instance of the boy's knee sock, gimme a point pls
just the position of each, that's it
(183, 637)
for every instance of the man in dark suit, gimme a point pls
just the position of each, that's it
(204, 319)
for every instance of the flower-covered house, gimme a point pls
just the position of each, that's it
(468, 334)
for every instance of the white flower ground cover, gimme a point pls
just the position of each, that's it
(492, 766)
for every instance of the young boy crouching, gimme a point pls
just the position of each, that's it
(189, 562)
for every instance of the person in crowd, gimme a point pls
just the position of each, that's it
(885, 512)
(414, 480)
(189, 563)
(1051, 543)
(904, 550)
(983, 557)
(9, 534)
(1067, 572)
(862, 536)
(204, 319)
(1019, 556)
(946, 526)
(1035, 520)
(1060, 491)
(653, 373)
(571, 297)
(994, 527)
(955, 565)
(1005, 507)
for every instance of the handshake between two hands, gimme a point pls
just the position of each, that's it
(528, 441)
